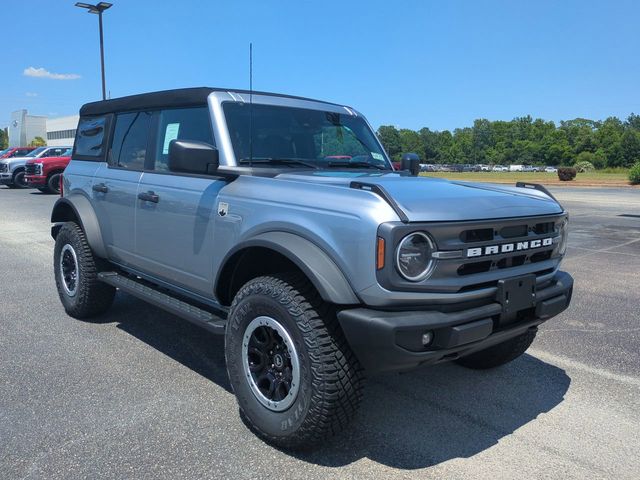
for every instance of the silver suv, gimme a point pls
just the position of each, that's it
(279, 222)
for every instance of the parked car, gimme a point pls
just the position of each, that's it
(551, 170)
(314, 273)
(500, 168)
(15, 152)
(44, 173)
(515, 168)
(529, 168)
(12, 170)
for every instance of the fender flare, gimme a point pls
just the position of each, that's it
(85, 215)
(319, 268)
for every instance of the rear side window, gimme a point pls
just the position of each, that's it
(129, 146)
(182, 124)
(90, 137)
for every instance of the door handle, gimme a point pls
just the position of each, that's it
(100, 187)
(149, 197)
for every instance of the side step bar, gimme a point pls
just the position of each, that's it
(190, 312)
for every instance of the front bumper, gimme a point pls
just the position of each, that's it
(391, 340)
(6, 178)
(36, 180)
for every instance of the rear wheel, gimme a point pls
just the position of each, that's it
(499, 354)
(295, 378)
(76, 271)
(53, 183)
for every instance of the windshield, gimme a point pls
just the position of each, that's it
(67, 152)
(34, 153)
(313, 137)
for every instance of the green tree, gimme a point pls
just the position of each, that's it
(390, 139)
(38, 142)
(410, 141)
(4, 138)
(630, 146)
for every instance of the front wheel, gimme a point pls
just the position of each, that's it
(295, 378)
(53, 183)
(499, 354)
(19, 180)
(76, 271)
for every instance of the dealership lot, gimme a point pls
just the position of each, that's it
(143, 394)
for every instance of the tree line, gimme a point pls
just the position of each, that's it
(609, 143)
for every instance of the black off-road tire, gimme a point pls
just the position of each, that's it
(92, 297)
(53, 183)
(18, 180)
(499, 354)
(331, 381)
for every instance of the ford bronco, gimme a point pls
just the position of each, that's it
(279, 222)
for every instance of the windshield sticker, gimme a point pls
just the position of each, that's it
(171, 133)
(377, 156)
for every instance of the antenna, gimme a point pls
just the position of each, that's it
(250, 104)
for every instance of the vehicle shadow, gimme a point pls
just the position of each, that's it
(426, 417)
(192, 346)
(406, 421)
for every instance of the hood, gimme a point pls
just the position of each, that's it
(31, 160)
(16, 160)
(433, 199)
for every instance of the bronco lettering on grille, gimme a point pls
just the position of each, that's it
(509, 247)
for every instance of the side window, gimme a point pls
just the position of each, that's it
(184, 124)
(90, 136)
(129, 146)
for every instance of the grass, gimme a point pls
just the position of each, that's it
(618, 178)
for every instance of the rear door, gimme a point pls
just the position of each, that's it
(175, 239)
(115, 185)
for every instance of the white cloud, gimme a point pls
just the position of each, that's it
(42, 73)
(31, 94)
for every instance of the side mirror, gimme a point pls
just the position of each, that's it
(189, 156)
(411, 162)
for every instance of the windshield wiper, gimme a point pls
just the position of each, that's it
(357, 165)
(278, 161)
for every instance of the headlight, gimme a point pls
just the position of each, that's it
(563, 230)
(413, 256)
(38, 168)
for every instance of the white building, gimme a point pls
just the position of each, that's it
(24, 128)
(61, 131)
(57, 132)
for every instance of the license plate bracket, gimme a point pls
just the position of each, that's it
(518, 293)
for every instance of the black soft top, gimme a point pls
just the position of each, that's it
(180, 97)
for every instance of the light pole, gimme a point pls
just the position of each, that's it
(98, 9)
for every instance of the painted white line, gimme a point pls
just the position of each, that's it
(574, 365)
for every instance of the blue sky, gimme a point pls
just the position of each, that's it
(439, 64)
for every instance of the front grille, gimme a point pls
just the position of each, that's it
(479, 265)
(31, 169)
(4, 167)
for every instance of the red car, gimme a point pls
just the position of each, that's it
(44, 173)
(15, 152)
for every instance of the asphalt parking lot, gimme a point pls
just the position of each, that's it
(143, 394)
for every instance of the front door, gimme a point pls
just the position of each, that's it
(115, 185)
(175, 212)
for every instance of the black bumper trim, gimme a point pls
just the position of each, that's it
(391, 341)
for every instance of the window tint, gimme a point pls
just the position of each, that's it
(183, 124)
(129, 146)
(90, 136)
(54, 152)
